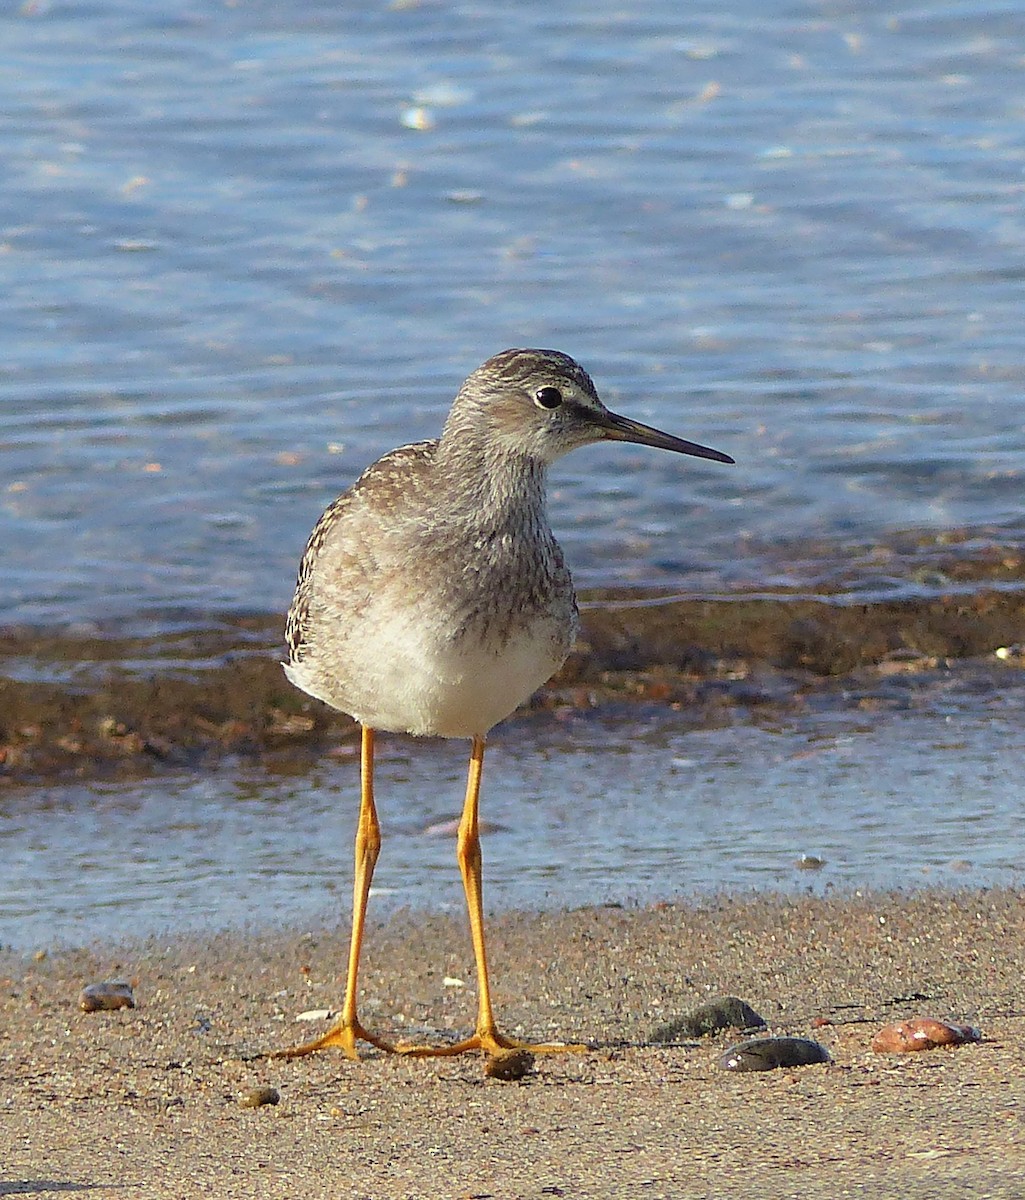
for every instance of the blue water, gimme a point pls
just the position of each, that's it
(586, 814)
(246, 248)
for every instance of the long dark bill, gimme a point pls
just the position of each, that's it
(622, 429)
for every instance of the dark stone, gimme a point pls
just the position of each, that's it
(509, 1065)
(725, 1012)
(260, 1096)
(766, 1054)
(105, 997)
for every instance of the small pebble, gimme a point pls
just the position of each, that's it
(922, 1033)
(105, 997)
(509, 1065)
(766, 1054)
(314, 1014)
(259, 1096)
(725, 1012)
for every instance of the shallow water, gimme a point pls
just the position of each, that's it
(246, 248)
(580, 814)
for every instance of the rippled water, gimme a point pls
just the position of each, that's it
(578, 816)
(246, 248)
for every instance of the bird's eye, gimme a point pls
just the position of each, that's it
(548, 397)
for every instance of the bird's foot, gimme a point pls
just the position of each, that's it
(490, 1041)
(342, 1036)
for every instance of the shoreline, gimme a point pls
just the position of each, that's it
(94, 704)
(148, 1099)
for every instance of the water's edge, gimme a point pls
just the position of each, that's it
(94, 703)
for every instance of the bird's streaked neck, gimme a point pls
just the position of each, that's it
(490, 481)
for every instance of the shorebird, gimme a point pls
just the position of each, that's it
(433, 599)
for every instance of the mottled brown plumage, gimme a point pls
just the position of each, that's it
(433, 597)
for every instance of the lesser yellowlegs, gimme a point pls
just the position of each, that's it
(433, 599)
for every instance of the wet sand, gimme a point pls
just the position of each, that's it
(145, 1102)
(96, 703)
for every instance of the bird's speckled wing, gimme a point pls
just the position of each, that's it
(395, 467)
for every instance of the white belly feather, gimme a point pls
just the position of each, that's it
(418, 681)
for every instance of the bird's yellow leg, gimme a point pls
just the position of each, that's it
(487, 1036)
(347, 1030)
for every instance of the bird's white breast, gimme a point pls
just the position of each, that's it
(413, 677)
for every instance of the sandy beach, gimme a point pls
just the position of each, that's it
(146, 1101)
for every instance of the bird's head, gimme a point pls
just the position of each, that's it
(540, 404)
